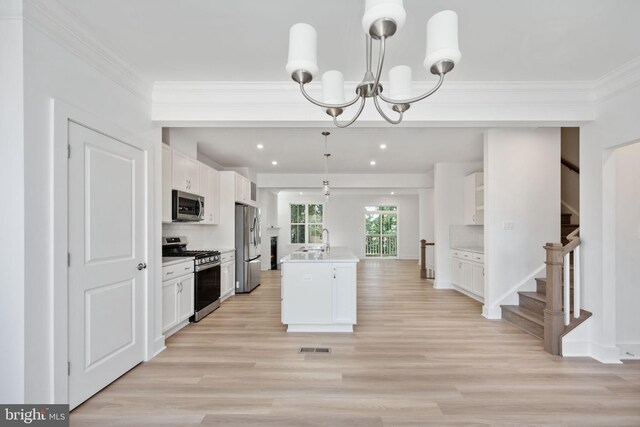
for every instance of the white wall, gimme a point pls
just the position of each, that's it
(12, 256)
(628, 250)
(51, 71)
(616, 124)
(522, 185)
(448, 210)
(345, 221)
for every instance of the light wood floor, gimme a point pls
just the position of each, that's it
(418, 357)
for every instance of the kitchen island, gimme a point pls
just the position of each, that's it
(318, 290)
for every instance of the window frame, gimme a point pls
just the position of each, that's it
(306, 224)
(395, 212)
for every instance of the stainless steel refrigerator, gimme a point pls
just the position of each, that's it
(248, 237)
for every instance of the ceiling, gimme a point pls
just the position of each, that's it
(300, 150)
(247, 40)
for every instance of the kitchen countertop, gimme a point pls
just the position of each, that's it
(474, 249)
(171, 260)
(225, 250)
(337, 254)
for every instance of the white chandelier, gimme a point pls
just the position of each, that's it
(381, 20)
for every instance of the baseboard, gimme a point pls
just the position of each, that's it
(492, 313)
(576, 348)
(605, 354)
(158, 347)
(409, 257)
(469, 294)
(439, 284)
(629, 351)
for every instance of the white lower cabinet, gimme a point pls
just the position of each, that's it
(177, 299)
(227, 275)
(319, 297)
(467, 272)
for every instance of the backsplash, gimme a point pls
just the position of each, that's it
(466, 236)
(198, 236)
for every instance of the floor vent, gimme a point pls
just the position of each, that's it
(314, 350)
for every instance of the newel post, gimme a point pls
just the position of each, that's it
(423, 259)
(553, 316)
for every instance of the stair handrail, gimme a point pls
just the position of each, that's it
(570, 165)
(557, 314)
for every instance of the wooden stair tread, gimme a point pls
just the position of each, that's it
(527, 314)
(535, 295)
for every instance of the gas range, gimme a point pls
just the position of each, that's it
(206, 274)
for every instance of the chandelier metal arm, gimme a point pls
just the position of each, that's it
(325, 105)
(387, 118)
(380, 64)
(349, 123)
(417, 98)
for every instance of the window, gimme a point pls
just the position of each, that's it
(381, 231)
(307, 223)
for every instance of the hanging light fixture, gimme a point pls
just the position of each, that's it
(325, 183)
(381, 20)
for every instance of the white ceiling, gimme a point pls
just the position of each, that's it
(246, 40)
(300, 150)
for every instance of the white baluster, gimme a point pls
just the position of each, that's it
(567, 288)
(576, 282)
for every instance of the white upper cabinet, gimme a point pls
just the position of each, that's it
(166, 183)
(474, 199)
(186, 173)
(243, 189)
(210, 190)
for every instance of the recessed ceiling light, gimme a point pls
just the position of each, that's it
(301, 193)
(392, 193)
(383, 146)
(260, 146)
(372, 162)
(274, 163)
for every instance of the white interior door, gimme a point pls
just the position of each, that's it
(107, 241)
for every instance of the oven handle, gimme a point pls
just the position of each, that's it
(206, 266)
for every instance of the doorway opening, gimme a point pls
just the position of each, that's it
(381, 231)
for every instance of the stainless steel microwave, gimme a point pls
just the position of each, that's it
(186, 206)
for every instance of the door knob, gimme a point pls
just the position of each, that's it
(142, 266)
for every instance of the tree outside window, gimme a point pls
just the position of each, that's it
(307, 221)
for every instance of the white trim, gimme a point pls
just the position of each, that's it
(492, 313)
(220, 103)
(621, 79)
(469, 294)
(61, 115)
(605, 354)
(514, 289)
(439, 284)
(629, 351)
(56, 22)
(576, 348)
(320, 328)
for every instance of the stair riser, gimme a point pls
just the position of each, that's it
(532, 304)
(541, 287)
(522, 323)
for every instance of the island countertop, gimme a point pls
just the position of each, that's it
(337, 254)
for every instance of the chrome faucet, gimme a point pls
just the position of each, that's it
(328, 246)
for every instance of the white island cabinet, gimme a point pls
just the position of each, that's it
(319, 291)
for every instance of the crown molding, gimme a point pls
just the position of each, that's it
(235, 103)
(617, 81)
(56, 22)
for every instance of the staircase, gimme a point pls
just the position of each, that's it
(529, 314)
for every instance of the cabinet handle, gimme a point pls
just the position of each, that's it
(169, 273)
(474, 218)
(334, 273)
(187, 268)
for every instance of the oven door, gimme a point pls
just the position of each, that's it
(207, 290)
(186, 206)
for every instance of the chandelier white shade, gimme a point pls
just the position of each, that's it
(442, 39)
(381, 20)
(303, 46)
(381, 9)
